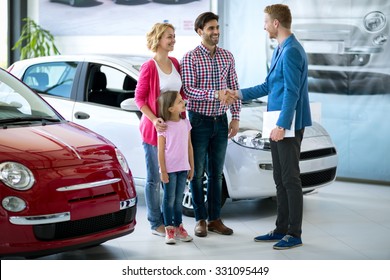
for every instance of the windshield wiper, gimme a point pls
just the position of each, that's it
(44, 120)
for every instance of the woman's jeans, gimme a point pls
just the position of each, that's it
(173, 198)
(209, 137)
(152, 187)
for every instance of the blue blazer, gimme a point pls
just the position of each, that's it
(286, 85)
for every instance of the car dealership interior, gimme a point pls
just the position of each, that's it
(346, 210)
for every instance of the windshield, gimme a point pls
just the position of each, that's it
(21, 106)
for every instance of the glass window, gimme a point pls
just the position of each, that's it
(52, 78)
(109, 86)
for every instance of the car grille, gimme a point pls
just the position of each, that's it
(318, 178)
(318, 153)
(338, 59)
(72, 229)
(349, 83)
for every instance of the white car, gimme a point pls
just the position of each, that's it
(89, 90)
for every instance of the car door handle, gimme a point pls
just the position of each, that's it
(81, 115)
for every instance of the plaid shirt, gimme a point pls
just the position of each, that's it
(202, 75)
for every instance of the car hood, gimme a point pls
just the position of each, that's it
(53, 146)
(251, 118)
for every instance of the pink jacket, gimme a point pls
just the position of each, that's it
(147, 93)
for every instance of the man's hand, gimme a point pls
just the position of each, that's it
(233, 128)
(277, 134)
(228, 96)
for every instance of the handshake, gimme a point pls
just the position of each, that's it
(227, 96)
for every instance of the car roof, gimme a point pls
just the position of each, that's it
(124, 60)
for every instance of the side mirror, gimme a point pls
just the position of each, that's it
(129, 105)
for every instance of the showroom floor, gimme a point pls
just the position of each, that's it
(343, 221)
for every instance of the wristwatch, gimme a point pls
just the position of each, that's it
(216, 94)
(279, 127)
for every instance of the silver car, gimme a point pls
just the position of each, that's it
(97, 92)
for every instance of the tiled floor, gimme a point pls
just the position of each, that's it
(343, 221)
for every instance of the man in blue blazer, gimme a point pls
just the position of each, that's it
(287, 88)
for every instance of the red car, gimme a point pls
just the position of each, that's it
(62, 186)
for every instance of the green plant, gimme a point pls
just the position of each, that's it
(35, 41)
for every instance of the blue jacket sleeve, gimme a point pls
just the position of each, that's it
(254, 92)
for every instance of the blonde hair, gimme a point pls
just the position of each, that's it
(165, 101)
(153, 37)
(281, 13)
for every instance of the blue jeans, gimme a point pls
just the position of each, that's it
(173, 197)
(152, 187)
(209, 137)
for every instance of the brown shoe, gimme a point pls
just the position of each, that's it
(218, 227)
(200, 228)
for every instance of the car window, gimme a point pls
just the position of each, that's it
(109, 86)
(17, 102)
(54, 78)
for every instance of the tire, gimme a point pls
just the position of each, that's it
(187, 207)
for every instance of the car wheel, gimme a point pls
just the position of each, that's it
(188, 209)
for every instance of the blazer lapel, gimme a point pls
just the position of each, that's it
(275, 58)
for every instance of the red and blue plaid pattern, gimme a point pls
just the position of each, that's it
(202, 75)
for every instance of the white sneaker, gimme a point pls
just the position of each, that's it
(182, 234)
(170, 235)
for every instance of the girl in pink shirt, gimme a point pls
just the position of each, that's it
(176, 161)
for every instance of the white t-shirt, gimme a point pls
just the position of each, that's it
(176, 145)
(171, 81)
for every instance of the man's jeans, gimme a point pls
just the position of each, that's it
(209, 137)
(173, 198)
(152, 187)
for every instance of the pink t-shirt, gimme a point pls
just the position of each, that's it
(176, 145)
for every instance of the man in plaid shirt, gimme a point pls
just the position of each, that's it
(209, 77)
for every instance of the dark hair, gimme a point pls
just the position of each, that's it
(281, 13)
(166, 100)
(204, 18)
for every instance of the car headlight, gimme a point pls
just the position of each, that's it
(122, 161)
(16, 176)
(252, 139)
(380, 40)
(374, 21)
(13, 204)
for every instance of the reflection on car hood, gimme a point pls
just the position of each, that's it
(53, 146)
(251, 118)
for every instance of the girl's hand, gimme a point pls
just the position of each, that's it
(190, 174)
(164, 177)
(160, 125)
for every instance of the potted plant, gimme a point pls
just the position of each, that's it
(35, 41)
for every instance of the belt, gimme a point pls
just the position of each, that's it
(207, 118)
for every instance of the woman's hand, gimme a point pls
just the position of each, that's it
(160, 125)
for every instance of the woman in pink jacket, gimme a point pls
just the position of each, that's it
(159, 74)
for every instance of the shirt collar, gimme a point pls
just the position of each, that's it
(206, 50)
